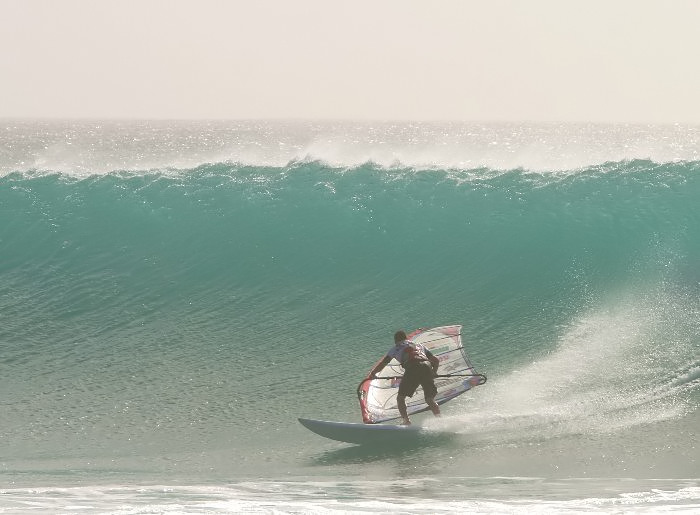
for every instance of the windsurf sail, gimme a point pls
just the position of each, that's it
(456, 375)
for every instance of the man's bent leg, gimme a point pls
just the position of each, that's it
(401, 402)
(434, 407)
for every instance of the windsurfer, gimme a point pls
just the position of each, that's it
(420, 368)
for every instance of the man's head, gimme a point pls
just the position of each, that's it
(399, 336)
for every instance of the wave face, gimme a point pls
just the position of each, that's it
(183, 315)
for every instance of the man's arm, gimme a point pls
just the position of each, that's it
(434, 362)
(378, 368)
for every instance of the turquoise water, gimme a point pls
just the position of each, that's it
(175, 295)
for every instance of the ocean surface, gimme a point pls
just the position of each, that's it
(173, 295)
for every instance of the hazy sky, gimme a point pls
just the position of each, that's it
(480, 60)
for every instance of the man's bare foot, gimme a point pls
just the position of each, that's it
(406, 422)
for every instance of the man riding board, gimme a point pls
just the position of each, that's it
(420, 368)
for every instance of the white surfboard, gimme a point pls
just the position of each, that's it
(367, 434)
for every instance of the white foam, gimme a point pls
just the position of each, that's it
(609, 371)
(86, 148)
(456, 495)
